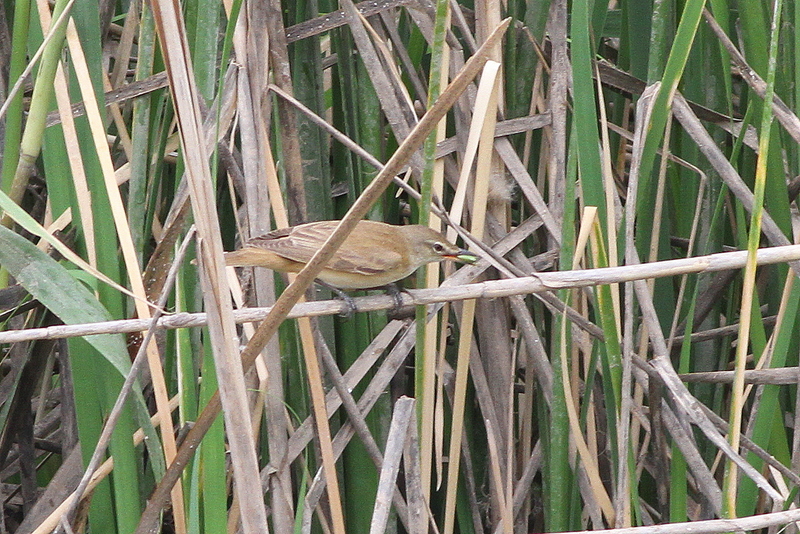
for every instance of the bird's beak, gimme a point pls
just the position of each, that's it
(464, 256)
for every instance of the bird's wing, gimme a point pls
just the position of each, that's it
(376, 263)
(301, 242)
(298, 243)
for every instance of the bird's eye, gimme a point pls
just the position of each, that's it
(438, 247)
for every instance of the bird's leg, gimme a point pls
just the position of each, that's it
(351, 304)
(393, 290)
(397, 311)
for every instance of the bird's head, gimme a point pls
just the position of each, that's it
(429, 245)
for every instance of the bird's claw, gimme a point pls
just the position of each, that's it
(395, 294)
(351, 305)
(397, 311)
(348, 300)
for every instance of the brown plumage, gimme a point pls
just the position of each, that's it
(374, 254)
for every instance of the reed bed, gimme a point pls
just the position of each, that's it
(623, 357)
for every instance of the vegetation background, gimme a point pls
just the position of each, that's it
(578, 140)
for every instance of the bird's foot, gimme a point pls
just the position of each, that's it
(351, 305)
(394, 292)
(348, 300)
(397, 311)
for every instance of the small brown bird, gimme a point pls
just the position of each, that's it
(374, 254)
